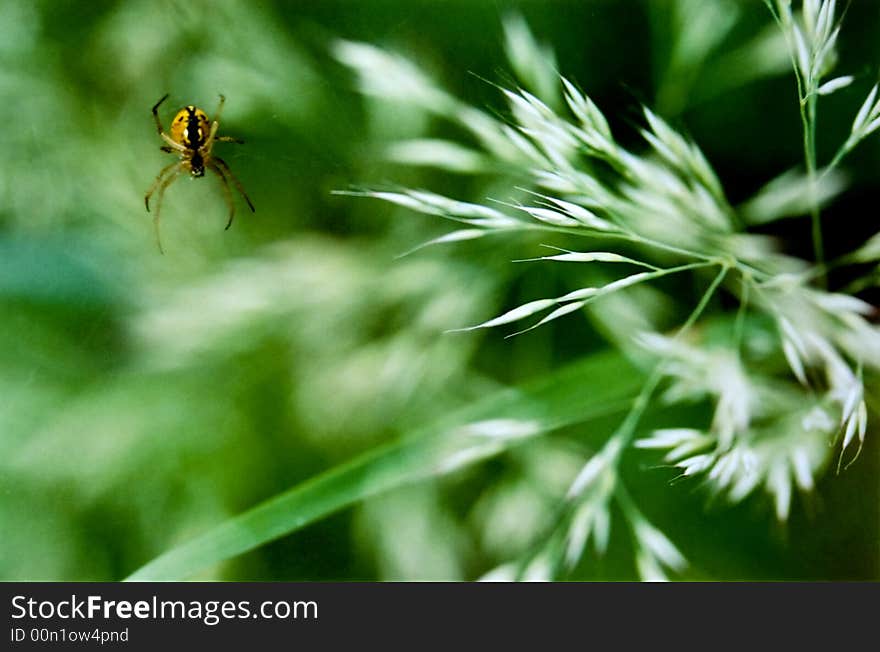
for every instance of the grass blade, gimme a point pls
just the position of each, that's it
(476, 432)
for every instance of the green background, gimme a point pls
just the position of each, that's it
(145, 398)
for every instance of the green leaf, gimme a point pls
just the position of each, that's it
(868, 252)
(600, 385)
(789, 195)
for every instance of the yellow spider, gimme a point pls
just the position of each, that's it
(192, 138)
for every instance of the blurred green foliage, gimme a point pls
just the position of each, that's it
(147, 398)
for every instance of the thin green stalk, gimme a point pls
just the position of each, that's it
(809, 119)
(650, 242)
(644, 277)
(627, 504)
(773, 12)
(807, 106)
(739, 324)
(629, 236)
(625, 431)
(628, 427)
(838, 157)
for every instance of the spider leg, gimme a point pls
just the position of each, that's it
(227, 193)
(229, 139)
(161, 131)
(162, 187)
(172, 145)
(214, 126)
(219, 108)
(156, 113)
(159, 179)
(222, 164)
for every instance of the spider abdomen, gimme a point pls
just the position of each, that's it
(190, 127)
(197, 165)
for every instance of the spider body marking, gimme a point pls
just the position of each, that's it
(192, 137)
(190, 127)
